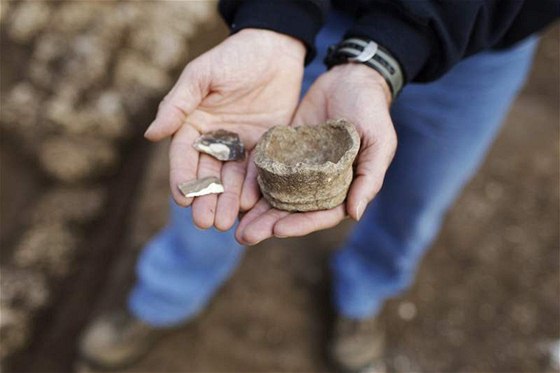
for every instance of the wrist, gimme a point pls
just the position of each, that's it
(299, 19)
(276, 43)
(363, 75)
(368, 53)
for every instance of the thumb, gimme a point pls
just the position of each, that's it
(183, 99)
(373, 162)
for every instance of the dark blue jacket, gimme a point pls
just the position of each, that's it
(427, 37)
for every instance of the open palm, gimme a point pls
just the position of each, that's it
(360, 95)
(246, 84)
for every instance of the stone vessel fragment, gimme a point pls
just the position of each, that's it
(307, 168)
(221, 144)
(201, 187)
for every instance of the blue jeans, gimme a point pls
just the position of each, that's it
(444, 130)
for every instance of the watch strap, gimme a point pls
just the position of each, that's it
(369, 53)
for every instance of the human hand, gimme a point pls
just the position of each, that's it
(359, 94)
(246, 84)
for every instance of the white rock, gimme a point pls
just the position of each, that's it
(407, 311)
(201, 187)
(28, 19)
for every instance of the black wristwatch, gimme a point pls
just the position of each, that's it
(371, 54)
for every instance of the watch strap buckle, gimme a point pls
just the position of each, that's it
(366, 54)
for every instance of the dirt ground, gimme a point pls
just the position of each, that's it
(486, 297)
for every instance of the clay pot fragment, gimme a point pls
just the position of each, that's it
(307, 168)
(201, 187)
(222, 145)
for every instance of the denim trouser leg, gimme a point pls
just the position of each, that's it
(181, 269)
(444, 130)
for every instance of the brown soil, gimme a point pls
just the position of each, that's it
(486, 296)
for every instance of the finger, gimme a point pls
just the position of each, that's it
(182, 100)
(227, 208)
(303, 223)
(183, 162)
(260, 208)
(250, 192)
(373, 162)
(261, 228)
(204, 207)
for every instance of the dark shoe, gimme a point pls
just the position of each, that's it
(116, 339)
(357, 346)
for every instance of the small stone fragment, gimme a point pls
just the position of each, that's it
(69, 204)
(48, 247)
(28, 20)
(201, 187)
(74, 159)
(15, 325)
(222, 145)
(21, 109)
(4, 10)
(132, 71)
(23, 288)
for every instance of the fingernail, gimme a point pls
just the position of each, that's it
(252, 243)
(360, 209)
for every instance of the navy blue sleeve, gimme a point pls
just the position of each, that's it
(301, 19)
(427, 37)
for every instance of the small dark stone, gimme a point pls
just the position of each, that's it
(222, 145)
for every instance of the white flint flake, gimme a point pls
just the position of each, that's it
(217, 150)
(210, 189)
(201, 187)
